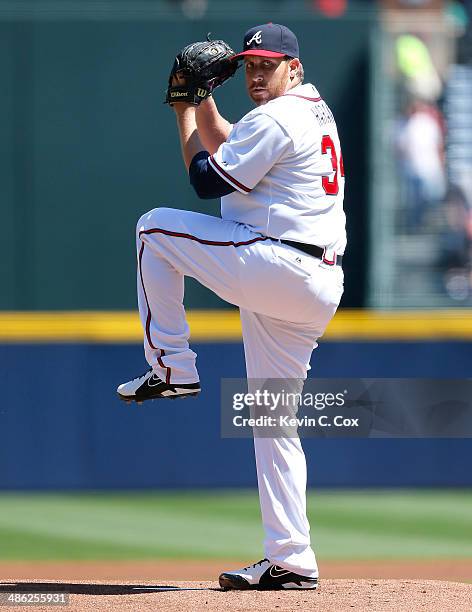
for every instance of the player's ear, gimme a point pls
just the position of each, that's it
(293, 67)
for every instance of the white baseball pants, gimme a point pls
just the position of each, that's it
(286, 300)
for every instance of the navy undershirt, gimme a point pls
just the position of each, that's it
(207, 183)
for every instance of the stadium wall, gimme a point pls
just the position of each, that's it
(63, 427)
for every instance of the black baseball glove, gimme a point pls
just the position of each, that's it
(201, 66)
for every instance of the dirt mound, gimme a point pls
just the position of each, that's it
(332, 596)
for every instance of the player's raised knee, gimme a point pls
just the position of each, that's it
(157, 218)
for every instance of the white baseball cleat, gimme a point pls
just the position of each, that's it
(149, 386)
(265, 576)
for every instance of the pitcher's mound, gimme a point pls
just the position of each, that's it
(332, 595)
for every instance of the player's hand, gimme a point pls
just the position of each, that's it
(178, 80)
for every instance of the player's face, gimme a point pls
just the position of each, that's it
(266, 77)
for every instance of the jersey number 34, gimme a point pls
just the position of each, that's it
(331, 187)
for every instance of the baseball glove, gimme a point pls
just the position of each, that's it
(203, 66)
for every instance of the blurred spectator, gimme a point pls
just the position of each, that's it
(420, 149)
(464, 48)
(456, 245)
(414, 62)
(413, 5)
(331, 8)
(192, 9)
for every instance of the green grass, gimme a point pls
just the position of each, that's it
(345, 525)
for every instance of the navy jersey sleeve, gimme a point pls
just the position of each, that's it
(207, 183)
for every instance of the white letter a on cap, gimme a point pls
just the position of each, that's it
(257, 38)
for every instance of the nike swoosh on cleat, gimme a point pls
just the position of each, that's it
(154, 378)
(276, 572)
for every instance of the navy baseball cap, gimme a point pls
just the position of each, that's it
(269, 40)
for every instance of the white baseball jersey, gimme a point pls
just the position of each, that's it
(284, 160)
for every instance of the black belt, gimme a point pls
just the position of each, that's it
(313, 250)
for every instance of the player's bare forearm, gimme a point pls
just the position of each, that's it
(189, 140)
(213, 129)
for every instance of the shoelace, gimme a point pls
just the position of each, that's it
(142, 375)
(258, 563)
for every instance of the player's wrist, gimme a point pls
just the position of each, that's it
(207, 103)
(181, 108)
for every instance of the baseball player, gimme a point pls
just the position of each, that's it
(276, 253)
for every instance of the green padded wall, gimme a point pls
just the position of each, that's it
(87, 146)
